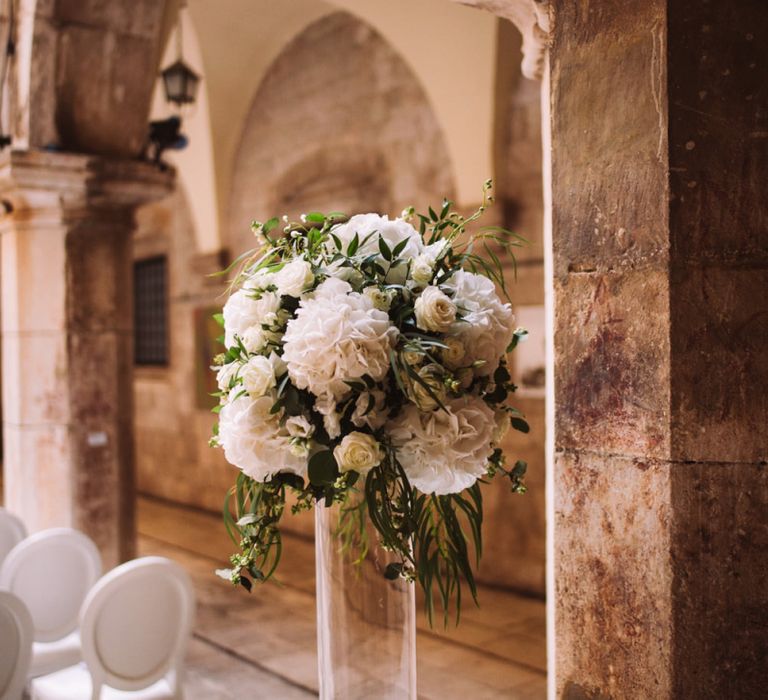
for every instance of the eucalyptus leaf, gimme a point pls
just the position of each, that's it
(322, 468)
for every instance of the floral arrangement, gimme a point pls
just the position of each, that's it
(365, 366)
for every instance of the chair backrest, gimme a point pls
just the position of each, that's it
(52, 572)
(12, 531)
(15, 645)
(135, 624)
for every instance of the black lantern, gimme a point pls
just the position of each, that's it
(180, 82)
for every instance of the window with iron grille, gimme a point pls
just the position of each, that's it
(150, 309)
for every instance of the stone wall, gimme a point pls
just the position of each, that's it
(172, 429)
(661, 276)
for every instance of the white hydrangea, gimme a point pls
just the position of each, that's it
(486, 325)
(254, 441)
(337, 335)
(444, 451)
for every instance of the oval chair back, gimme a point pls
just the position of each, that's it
(12, 531)
(135, 625)
(16, 633)
(52, 572)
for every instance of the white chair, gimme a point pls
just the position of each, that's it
(12, 531)
(52, 572)
(134, 626)
(16, 632)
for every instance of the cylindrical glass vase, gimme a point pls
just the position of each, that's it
(366, 624)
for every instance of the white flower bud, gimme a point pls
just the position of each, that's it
(422, 269)
(381, 298)
(299, 427)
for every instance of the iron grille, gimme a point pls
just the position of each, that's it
(150, 304)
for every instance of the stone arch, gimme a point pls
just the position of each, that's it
(345, 175)
(278, 152)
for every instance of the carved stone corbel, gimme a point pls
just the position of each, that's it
(531, 17)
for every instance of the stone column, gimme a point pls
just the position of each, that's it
(660, 172)
(67, 344)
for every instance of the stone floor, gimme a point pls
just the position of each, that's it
(262, 645)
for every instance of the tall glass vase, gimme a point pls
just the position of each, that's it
(366, 625)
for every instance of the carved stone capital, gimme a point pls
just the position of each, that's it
(34, 180)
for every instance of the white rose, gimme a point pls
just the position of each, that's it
(434, 310)
(299, 427)
(486, 325)
(432, 376)
(225, 374)
(294, 278)
(422, 269)
(412, 357)
(254, 441)
(253, 339)
(358, 452)
(337, 335)
(258, 376)
(381, 298)
(453, 354)
(244, 314)
(444, 451)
